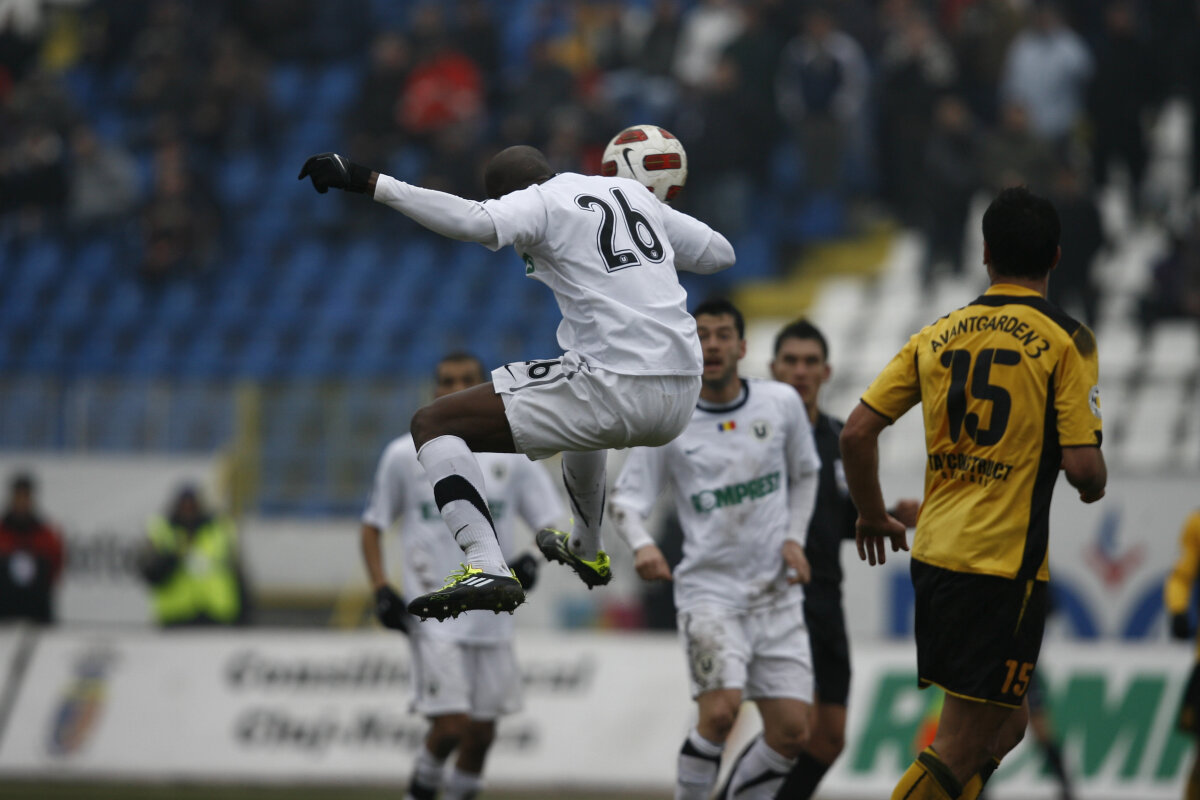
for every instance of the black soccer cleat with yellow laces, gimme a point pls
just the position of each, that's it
(470, 589)
(555, 547)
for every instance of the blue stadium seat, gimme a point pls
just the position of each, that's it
(289, 89)
(239, 180)
(336, 87)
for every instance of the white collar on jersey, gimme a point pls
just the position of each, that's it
(724, 408)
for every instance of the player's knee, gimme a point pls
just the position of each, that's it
(446, 733)
(717, 722)
(788, 736)
(424, 425)
(826, 745)
(477, 739)
(479, 736)
(1008, 737)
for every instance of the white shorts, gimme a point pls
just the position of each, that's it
(565, 404)
(764, 653)
(452, 677)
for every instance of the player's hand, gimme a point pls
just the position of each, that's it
(1092, 496)
(525, 567)
(869, 535)
(799, 570)
(391, 612)
(650, 564)
(907, 511)
(330, 170)
(1181, 626)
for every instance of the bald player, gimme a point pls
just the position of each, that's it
(629, 374)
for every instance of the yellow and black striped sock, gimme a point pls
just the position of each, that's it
(979, 780)
(927, 778)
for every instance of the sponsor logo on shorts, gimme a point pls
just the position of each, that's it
(736, 493)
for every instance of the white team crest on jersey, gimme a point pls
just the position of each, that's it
(761, 428)
(1094, 401)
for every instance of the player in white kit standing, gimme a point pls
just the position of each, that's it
(743, 478)
(629, 374)
(465, 671)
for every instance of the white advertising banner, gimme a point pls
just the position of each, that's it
(101, 504)
(322, 706)
(326, 707)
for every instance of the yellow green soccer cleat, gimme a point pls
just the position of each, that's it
(470, 589)
(554, 547)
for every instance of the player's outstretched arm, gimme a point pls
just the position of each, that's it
(1086, 471)
(332, 171)
(859, 444)
(446, 214)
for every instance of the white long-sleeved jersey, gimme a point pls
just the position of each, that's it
(743, 477)
(606, 247)
(515, 486)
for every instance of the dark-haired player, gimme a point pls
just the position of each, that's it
(1009, 392)
(801, 360)
(465, 673)
(629, 374)
(743, 477)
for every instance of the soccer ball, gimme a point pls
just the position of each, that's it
(650, 155)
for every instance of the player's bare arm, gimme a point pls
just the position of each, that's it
(859, 444)
(651, 564)
(1086, 471)
(389, 606)
(372, 552)
(799, 570)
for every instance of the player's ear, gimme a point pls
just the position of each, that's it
(741, 348)
(828, 372)
(1057, 256)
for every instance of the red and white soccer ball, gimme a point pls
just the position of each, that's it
(650, 155)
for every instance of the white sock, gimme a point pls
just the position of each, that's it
(699, 762)
(459, 491)
(426, 778)
(583, 473)
(462, 785)
(759, 773)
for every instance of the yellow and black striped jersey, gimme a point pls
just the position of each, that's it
(1004, 383)
(1177, 592)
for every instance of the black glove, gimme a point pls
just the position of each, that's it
(330, 169)
(525, 567)
(157, 567)
(1181, 626)
(391, 612)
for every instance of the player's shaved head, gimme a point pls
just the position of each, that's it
(515, 168)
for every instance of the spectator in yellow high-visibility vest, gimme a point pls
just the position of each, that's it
(191, 563)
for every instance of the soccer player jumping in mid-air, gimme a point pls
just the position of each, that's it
(629, 374)
(465, 672)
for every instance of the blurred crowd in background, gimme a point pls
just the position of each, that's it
(798, 117)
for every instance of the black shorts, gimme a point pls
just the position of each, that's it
(1188, 720)
(978, 636)
(830, 645)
